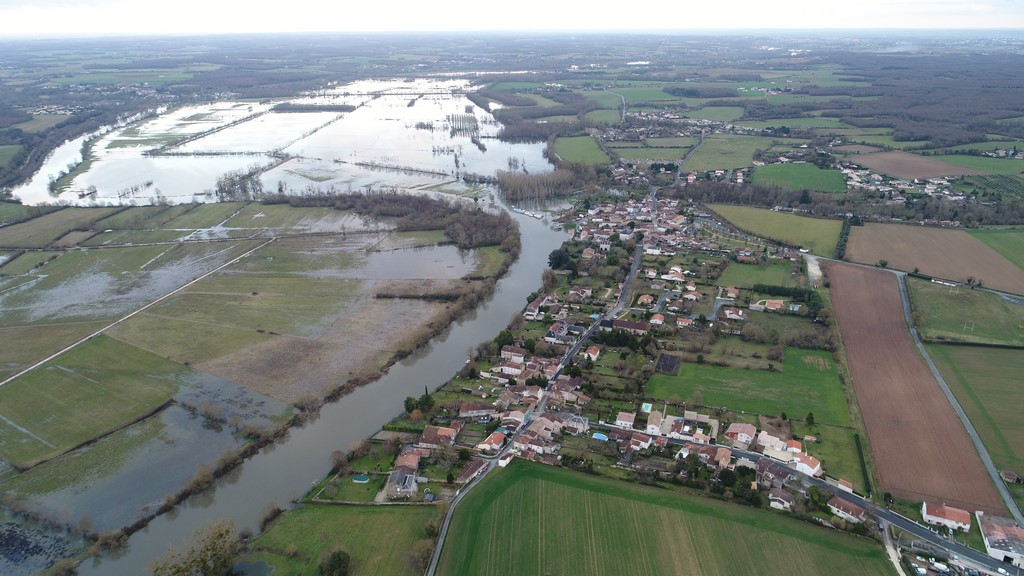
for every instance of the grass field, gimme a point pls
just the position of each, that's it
(205, 215)
(727, 151)
(986, 381)
(667, 154)
(534, 519)
(798, 123)
(717, 113)
(7, 151)
(986, 164)
(965, 315)
(580, 149)
(605, 116)
(605, 100)
(40, 232)
(775, 273)
(77, 397)
(817, 235)
(378, 538)
(799, 177)
(42, 122)
(808, 382)
(1008, 243)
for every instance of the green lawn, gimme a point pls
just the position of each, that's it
(816, 234)
(42, 122)
(78, 396)
(378, 538)
(808, 382)
(775, 273)
(799, 177)
(580, 149)
(942, 312)
(986, 381)
(717, 113)
(1008, 243)
(535, 519)
(667, 154)
(728, 151)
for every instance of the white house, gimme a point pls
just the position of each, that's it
(741, 433)
(846, 510)
(780, 499)
(943, 515)
(625, 419)
(807, 464)
(654, 423)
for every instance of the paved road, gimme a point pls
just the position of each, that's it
(986, 459)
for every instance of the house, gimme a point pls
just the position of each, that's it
(948, 516)
(436, 437)
(780, 499)
(1004, 538)
(766, 440)
(692, 296)
(402, 481)
(846, 510)
(769, 473)
(731, 313)
(635, 328)
(625, 419)
(533, 308)
(476, 410)
(723, 456)
(807, 464)
(513, 354)
(1010, 477)
(645, 300)
(493, 443)
(579, 293)
(794, 446)
(657, 320)
(654, 423)
(741, 433)
(774, 305)
(592, 353)
(732, 293)
(683, 322)
(471, 471)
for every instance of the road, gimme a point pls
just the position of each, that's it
(986, 459)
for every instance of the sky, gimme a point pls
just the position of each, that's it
(67, 18)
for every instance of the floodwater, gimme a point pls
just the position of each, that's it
(404, 134)
(286, 470)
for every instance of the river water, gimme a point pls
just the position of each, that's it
(286, 470)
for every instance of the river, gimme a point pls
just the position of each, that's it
(285, 470)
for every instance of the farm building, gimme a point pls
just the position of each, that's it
(942, 515)
(1004, 539)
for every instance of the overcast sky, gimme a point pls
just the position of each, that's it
(56, 18)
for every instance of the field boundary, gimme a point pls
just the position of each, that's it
(986, 459)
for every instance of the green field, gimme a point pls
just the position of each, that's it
(986, 381)
(796, 123)
(727, 151)
(78, 397)
(7, 151)
(808, 382)
(1008, 243)
(717, 113)
(774, 273)
(205, 215)
(605, 100)
(816, 234)
(42, 122)
(666, 154)
(580, 149)
(604, 116)
(378, 538)
(965, 315)
(40, 232)
(143, 217)
(987, 164)
(799, 177)
(535, 519)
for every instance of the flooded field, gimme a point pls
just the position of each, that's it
(405, 134)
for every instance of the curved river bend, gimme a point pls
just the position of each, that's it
(285, 470)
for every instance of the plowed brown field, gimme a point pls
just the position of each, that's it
(950, 254)
(907, 165)
(921, 449)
